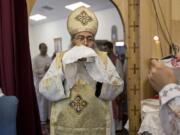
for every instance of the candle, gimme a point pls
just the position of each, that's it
(156, 49)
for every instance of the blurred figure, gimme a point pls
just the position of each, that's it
(53, 56)
(41, 64)
(118, 103)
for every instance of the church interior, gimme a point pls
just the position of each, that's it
(139, 31)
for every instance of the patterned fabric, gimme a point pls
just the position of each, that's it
(93, 118)
(82, 19)
(76, 110)
(170, 109)
(78, 104)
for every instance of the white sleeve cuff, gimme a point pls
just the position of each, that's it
(110, 92)
(169, 92)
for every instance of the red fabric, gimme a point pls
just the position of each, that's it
(175, 62)
(155, 97)
(113, 58)
(15, 64)
(117, 110)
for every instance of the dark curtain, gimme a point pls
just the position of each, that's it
(15, 64)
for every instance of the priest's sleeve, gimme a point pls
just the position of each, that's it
(170, 109)
(51, 86)
(114, 86)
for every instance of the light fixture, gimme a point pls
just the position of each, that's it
(119, 43)
(76, 5)
(156, 38)
(37, 17)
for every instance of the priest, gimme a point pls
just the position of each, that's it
(81, 82)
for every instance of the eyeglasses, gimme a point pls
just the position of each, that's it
(82, 38)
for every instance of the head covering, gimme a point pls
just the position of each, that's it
(82, 19)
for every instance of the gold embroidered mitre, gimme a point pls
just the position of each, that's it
(82, 19)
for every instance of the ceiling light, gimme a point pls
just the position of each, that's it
(119, 43)
(37, 17)
(76, 5)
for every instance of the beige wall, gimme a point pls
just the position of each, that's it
(176, 32)
(149, 27)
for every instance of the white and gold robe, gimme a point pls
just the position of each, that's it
(72, 85)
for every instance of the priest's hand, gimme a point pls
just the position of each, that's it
(160, 75)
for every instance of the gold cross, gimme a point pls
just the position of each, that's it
(134, 89)
(134, 68)
(84, 18)
(78, 104)
(134, 26)
(134, 3)
(134, 47)
(135, 110)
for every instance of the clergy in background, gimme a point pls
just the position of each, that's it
(81, 82)
(41, 64)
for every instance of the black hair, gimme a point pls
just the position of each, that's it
(41, 44)
(109, 44)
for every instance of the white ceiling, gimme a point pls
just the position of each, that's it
(60, 12)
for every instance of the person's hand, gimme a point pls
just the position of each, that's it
(160, 75)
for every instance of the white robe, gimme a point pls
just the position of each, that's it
(65, 67)
(170, 101)
(150, 117)
(170, 109)
(39, 64)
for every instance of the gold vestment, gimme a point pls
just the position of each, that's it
(81, 114)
